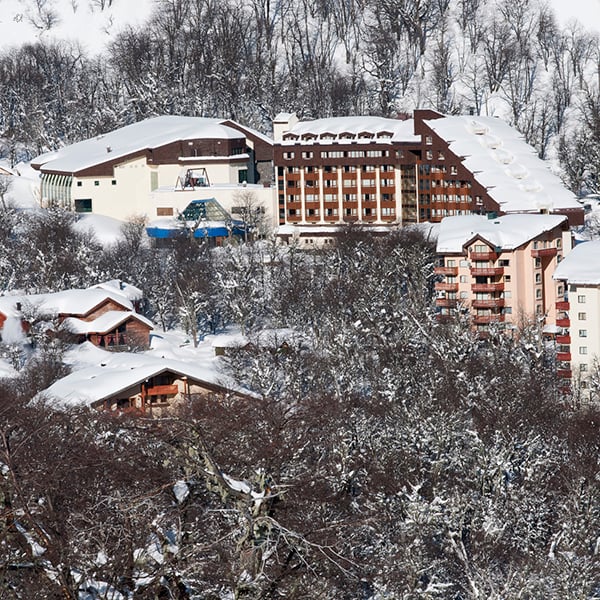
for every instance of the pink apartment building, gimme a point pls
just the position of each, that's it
(501, 269)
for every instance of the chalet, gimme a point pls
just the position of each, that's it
(105, 317)
(139, 384)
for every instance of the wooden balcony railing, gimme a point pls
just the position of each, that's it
(564, 373)
(562, 305)
(446, 287)
(487, 287)
(446, 270)
(563, 356)
(486, 271)
(446, 302)
(543, 252)
(484, 319)
(563, 339)
(564, 322)
(489, 303)
(487, 255)
(163, 390)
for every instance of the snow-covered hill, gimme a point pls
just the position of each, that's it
(91, 23)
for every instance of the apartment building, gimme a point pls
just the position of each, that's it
(578, 338)
(501, 269)
(385, 172)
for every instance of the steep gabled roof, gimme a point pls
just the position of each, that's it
(133, 139)
(502, 162)
(68, 302)
(507, 232)
(105, 323)
(91, 385)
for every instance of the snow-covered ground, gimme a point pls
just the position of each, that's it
(24, 193)
(78, 21)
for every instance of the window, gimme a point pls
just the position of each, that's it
(538, 278)
(538, 293)
(504, 262)
(463, 279)
(582, 349)
(583, 367)
(582, 316)
(507, 279)
(79, 183)
(428, 140)
(96, 182)
(84, 205)
(114, 182)
(583, 333)
(450, 263)
(581, 299)
(242, 175)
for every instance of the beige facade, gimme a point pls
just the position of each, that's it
(501, 270)
(578, 339)
(117, 174)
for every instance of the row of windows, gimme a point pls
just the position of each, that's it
(315, 212)
(97, 182)
(307, 154)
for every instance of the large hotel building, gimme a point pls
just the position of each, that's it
(380, 171)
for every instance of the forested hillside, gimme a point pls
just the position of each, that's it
(388, 456)
(249, 60)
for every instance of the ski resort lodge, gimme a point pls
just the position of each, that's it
(327, 172)
(157, 166)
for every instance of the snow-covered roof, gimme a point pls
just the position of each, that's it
(67, 302)
(582, 265)
(507, 232)
(500, 160)
(150, 133)
(106, 322)
(119, 286)
(353, 128)
(119, 372)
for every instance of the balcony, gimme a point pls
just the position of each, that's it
(563, 356)
(562, 305)
(484, 319)
(446, 271)
(544, 252)
(487, 287)
(564, 322)
(163, 390)
(564, 373)
(488, 255)
(446, 302)
(563, 339)
(489, 303)
(487, 271)
(446, 287)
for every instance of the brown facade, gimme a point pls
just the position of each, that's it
(375, 180)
